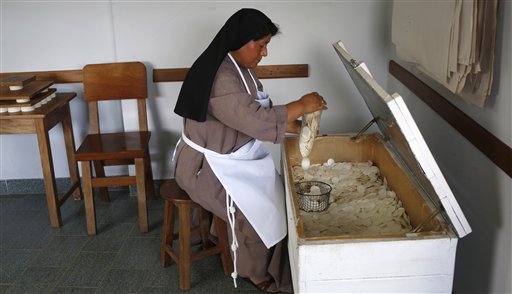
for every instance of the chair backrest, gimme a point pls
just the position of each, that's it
(115, 81)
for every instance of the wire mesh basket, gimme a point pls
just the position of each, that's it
(313, 195)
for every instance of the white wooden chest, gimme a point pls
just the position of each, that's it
(419, 261)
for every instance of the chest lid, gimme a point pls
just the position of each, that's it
(399, 129)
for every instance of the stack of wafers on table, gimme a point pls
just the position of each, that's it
(24, 94)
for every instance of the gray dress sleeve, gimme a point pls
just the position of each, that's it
(233, 106)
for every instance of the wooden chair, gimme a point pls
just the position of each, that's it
(115, 81)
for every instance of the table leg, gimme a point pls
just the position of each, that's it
(45, 153)
(67, 129)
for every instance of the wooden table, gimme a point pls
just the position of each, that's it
(41, 121)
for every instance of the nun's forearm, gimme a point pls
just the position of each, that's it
(295, 110)
(293, 127)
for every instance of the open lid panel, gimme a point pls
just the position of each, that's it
(399, 129)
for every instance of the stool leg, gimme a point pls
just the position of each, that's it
(204, 225)
(222, 234)
(168, 233)
(184, 243)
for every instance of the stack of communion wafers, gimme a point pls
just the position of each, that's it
(360, 201)
(24, 94)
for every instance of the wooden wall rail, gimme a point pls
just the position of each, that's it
(57, 76)
(497, 151)
(167, 74)
(263, 72)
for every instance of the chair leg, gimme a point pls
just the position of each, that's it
(150, 189)
(90, 212)
(184, 246)
(168, 233)
(141, 194)
(99, 170)
(225, 254)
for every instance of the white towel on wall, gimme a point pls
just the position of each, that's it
(452, 41)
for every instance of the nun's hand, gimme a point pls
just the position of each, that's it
(313, 102)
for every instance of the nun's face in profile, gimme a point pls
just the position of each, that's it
(251, 53)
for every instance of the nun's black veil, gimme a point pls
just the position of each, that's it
(245, 25)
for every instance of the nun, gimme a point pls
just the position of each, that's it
(220, 161)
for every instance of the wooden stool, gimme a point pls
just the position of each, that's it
(175, 197)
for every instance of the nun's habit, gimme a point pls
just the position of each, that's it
(222, 115)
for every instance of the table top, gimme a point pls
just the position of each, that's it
(41, 112)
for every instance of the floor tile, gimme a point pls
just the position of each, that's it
(110, 239)
(210, 281)
(61, 251)
(24, 202)
(24, 229)
(13, 262)
(73, 290)
(4, 288)
(88, 270)
(38, 280)
(138, 253)
(123, 281)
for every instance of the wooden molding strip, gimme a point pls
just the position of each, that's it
(166, 74)
(57, 76)
(282, 71)
(169, 74)
(263, 72)
(497, 151)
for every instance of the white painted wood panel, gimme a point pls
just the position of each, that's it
(375, 259)
(415, 284)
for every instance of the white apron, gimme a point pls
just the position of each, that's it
(249, 177)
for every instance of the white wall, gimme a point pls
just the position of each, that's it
(62, 35)
(69, 34)
(483, 190)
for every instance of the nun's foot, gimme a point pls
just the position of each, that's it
(267, 286)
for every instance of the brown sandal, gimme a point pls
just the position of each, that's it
(265, 286)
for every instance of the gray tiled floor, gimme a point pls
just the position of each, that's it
(36, 258)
